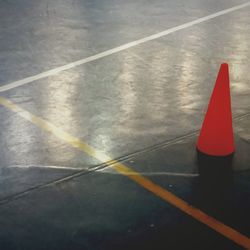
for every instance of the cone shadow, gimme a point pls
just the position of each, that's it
(212, 188)
(216, 168)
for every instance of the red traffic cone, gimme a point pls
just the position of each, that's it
(216, 135)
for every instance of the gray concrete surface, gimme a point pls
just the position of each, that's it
(132, 105)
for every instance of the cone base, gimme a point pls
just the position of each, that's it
(215, 155)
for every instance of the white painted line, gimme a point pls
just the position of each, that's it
(169, 174)
(118, 49)
(107, 170)
(47, 167)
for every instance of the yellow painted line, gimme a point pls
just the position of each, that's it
(157, 190)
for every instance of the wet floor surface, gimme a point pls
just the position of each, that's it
(142, 106)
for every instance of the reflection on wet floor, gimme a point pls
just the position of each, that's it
(142, 106)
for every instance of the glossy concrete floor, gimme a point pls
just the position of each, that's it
(142, 106)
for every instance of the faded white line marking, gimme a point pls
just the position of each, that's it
(103, 170)
(46, 167)
(162, 173)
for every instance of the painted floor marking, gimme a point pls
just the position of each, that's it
(46, 167)
(162, 173)
(157, 190)
(71, 65)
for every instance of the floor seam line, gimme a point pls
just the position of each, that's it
(144, 182)
(102, 166)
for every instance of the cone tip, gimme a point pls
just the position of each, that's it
(224, 65)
